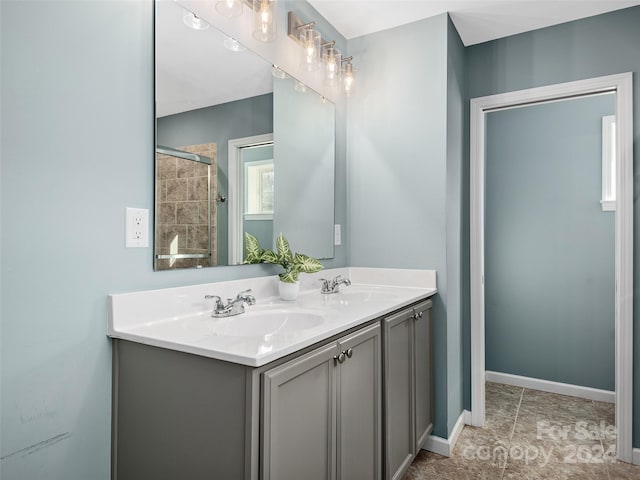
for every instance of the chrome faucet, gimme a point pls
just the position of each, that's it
(333, 286)
(233, 307)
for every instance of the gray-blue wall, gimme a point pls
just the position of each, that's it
(591, 47)
(457, 121)
(218, 124)
(405, 131)
(77, 148)
(549, 247)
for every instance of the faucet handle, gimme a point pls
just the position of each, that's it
(245, 297)
(326, 285)
(243, 293)
(218, 300)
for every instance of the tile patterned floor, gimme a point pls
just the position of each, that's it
(531, 435)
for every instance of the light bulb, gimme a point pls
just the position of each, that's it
(348, 83)
(265, 15)
(349, 79)
(310, 40)
(332, 59)
(229, 8)
(264, 25)
(310, 52)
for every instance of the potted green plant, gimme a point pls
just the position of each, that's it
(293, 263)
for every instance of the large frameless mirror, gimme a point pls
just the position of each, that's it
(238, 149)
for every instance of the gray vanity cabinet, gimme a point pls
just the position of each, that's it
(317, 414)
(322, 412)
(407, 386)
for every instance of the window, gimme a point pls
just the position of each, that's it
(258, 177)
(608, 163)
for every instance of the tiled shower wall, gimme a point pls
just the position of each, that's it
(182, 216)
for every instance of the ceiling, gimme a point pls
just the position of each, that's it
(188, 66)
(477, 21)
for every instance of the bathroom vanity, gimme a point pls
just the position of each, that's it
(339, 388)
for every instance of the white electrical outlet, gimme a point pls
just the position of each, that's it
(137, 228)
(337, 237)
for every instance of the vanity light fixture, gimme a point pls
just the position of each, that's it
(309, 39)
(264, 20)
(229, 8)
(191, 20)
(348, 75)
(232, 44)
(316, 52)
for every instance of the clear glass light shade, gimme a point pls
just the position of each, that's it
(229, 8)
(264, 20)
(310, 41)
(348, 78)
(331, 63)
(277, 72)
(191, 20)
(233, 45)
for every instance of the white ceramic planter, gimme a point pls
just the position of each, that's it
(288, 291)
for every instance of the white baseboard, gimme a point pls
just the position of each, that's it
(444, 446)
(553, 387)
(636, 456)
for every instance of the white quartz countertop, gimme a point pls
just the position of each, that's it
(180, 319)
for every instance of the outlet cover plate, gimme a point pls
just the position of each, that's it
(137, 228)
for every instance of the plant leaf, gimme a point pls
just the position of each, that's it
(268, 256)
(284, 250)
(252, 250)
(290, 276)
(307, 264)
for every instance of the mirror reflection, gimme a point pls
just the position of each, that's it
(184, 195)
(265, 158)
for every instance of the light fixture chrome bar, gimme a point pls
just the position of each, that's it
(294, 26)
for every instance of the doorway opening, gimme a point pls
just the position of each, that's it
(622, 87)
(251, 200)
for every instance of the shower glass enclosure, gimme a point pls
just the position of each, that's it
(186, 201)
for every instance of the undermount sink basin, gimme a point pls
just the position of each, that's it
(348, 295)
(262, 324)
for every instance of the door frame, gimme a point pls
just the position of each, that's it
(235, 193)
(622, 85)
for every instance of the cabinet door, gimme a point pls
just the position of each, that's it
(299, 415)
(359, 451)
(423, 374)
(399, 393)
